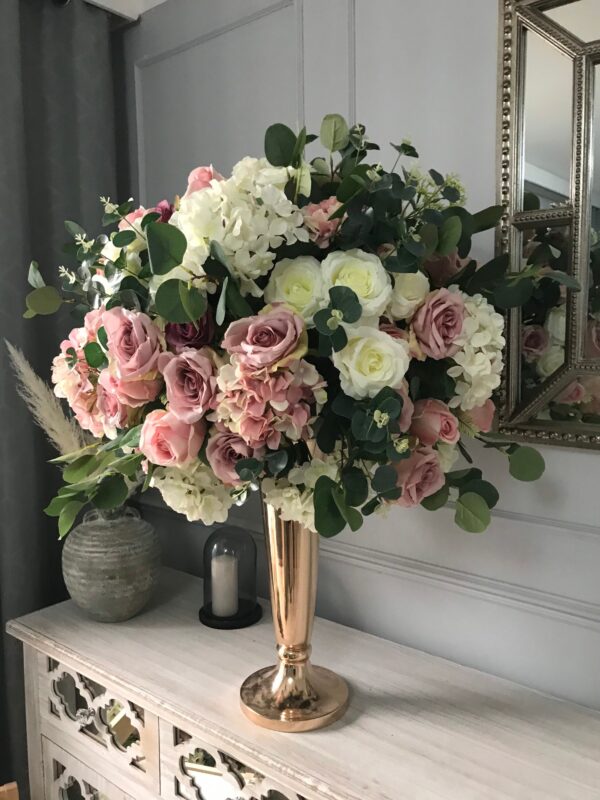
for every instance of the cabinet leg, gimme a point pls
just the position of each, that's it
(34, 736)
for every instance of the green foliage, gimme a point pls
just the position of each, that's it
(95, 355)
(449, 235)
(166, 247)
(125, 237)
(329, 520)
(334, 133)
(44, 300)
(280, 144)
(437, 500)
(472, 513)
(34, 277)
(111, 493)
(526, 463)
(178, 302)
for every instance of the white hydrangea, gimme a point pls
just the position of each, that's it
(194, 491)
(248, 214)
(478, 364)
(293, 504)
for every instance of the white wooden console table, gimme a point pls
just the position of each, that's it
(149, 709)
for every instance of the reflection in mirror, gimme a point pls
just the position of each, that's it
(543, 317)
(592, 336)
(578, 401)
(581, 18)
(115, 717)
(202, 768)
(547, 122)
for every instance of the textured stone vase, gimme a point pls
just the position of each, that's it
(111, 564)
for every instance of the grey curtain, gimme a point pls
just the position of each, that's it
(57, 155)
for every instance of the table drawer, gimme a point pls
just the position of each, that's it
(66, 777)
(97, 724)
(191, 768)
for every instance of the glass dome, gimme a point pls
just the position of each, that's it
(230, 580)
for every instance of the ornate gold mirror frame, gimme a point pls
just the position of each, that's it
(522, 414)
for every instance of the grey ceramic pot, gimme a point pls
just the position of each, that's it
(111, 564)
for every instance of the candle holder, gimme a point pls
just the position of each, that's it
(230, 580)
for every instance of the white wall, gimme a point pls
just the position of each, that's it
(523, 599)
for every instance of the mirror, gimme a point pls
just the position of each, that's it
(549, 141)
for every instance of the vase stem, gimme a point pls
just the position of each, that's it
(293, 696)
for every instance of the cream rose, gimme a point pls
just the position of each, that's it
(552, 359)
(370, 361)
(297, 282)
(410, 290)
(364, 274)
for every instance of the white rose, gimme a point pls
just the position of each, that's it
(410, 290)
(298, 282)
(555, 324)
(550, 361)
(370, 361)
(364, 274)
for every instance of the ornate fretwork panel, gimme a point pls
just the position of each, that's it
(69, 779)
(98, 715)
(195, 770)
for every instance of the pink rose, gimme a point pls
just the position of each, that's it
(438, 323)
(592, 339)
(223, 451)
(133, 216)
(169, 442)
(408, 408)
(201, 177)
(136, 392)
(267, 341)
(321, 229)
(441, 269)
(433, 422)
(181, 336)
(534, 342)
(482, 417)
(165, 209)
(191, 382)
(113, 414)
(575, 392)
(134, 343)
(419, 476)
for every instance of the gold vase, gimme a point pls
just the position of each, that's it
(293, 696)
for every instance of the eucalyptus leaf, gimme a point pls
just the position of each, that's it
(514, 294)
(44, 300)
(73, 229)
(472, 513)
(166, 247)
(487, 218)
(95, 355)
(111, 493)
(123, 238)
(334, 133)
(280, 144)
(526, 464)
(34, 277)
(328, 519)
(222, 304)
(437, 500)
(67, 516)
(449, 235)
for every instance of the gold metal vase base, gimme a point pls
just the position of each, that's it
(293, 696)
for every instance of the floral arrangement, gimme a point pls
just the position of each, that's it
(315, 328)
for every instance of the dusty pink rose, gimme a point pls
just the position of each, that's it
(134, 342)
(267, 341)
(169, 442)
(191, 382)
(321, 229)
(592, 339)
(408, 336)
(433, 422)
(113, 414)
(441, 269)
(438, 322)
(534, 342)
(419, 476)
(201, 177)
(223, 451)
(408, 408)
(181, 336)
(575, 392)
(482, 417)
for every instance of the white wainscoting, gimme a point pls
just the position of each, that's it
(523, 599)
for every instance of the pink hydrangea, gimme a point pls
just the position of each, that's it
(261, 409)
(321, 229)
